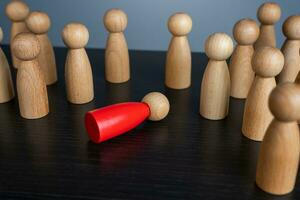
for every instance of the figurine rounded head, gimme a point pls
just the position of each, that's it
(291, 27)
(218, 46)
(115, 20)
(1, 34)
(26, 46)
(246, 32)
(180, 24)
(75, 35)
(269, 13)
(267, 61)
(159, 105)
(38, 22)
(284, 102)
(17, 11)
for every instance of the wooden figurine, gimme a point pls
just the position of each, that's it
(6, 85)
(267, 62)
(117, 69)
(215, 87)
(78, 71)
(245, 32)
(31, 85)
(290, 49)
(179, 61)
(17, 12)
(279, 152)
(111, 121)
(268, 14)
(39, 23)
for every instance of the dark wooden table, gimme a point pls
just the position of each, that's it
(181, 157)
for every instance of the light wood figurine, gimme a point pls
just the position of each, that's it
(290, 49)
(39, 23)
(78, 71)
(117, 69)
(245, 32)
(31, 86)
(268, 14)
(178, 63)
(267, 62)
(279, 152)
(17, 12)
(215, 87)
(6, 85)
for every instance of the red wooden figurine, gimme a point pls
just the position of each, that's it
(108, 122)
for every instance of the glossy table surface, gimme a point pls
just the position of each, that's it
(182, 157)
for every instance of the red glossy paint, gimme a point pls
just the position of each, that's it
(108, 122)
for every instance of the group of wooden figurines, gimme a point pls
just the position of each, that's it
(34, 58)
(271, 112)
(270, 115)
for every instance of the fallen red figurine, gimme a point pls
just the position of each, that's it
(108, 122)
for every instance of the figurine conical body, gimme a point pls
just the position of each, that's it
(268, 14)
(267, 62)
(39, 23)
(78, 71)
(215, 87)
(245, 32)
(278, 158)
(17, 12)
(179, 61)
(290, 50)
(31, 85)
(117, 68)
(6, 85)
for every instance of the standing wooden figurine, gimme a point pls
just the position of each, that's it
(279, 152)
(78, 71)
(290, 49)
(6, 85)
(39, 23)
(17, 12)
(268, 14)
(267, 62)
(178, 64)
(215, 87)
(245, 32)
(31, 86)
(117, 69)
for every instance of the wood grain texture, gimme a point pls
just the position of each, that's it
(267, 62)
(215, 91)
(257, 115)
(117, 67)
(31, 86)
(78, 77)
(215, 86)
(39, 23)
(178, 64)
(47, 60)
(16, 28)
(267, 37)
(279, 157)
(159, 105)
(279, 154)
(268, 14)
(241, 72)
(32, 91)
(290, 49)
(6, 85)
(17, 11)
(245, 33)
